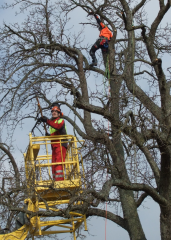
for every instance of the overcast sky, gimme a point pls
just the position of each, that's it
(149, 212)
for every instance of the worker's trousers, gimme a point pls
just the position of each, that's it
(98, 44)
(58, 156)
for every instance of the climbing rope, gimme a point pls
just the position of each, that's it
(107, 71)
(107, 74)
(106, 222)
(134, 146)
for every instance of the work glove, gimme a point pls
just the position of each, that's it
(47, 134)
(90, 13)
(43, 119)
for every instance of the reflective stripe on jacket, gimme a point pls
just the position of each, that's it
(57, 127)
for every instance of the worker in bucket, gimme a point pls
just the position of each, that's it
(57, 127)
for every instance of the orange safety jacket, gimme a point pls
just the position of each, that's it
(104, 32)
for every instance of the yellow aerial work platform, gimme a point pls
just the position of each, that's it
(47, 195)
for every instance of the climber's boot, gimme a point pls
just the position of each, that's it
(94, 62)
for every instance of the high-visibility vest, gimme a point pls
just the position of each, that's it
(62, 131)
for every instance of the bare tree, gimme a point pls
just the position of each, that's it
(43, 56)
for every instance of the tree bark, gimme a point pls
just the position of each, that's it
(129, 206)
(165, 191)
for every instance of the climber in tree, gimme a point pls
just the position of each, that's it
(102, 42)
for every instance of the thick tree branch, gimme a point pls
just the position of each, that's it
(157, 21)
(136, 8)
(12, 160)
(148, 103)
(141, 187)
(141, 199)
(110, 216)
(151, 161)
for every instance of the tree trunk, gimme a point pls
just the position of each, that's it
(131, 216)
(165, 191)
(165, 222)
(129, 207)
(127, 197)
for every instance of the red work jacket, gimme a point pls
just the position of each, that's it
(57, 127)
